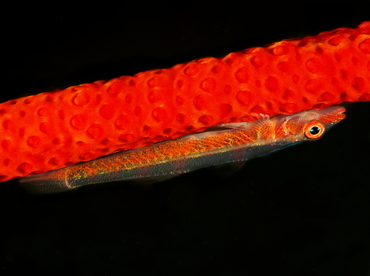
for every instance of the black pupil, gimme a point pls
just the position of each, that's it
(315, 130)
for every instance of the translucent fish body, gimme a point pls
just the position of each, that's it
(234, 142)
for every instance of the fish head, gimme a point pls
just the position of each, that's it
(309, 124)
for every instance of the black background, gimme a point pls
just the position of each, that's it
(304, 210)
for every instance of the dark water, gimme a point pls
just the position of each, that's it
(304, 210)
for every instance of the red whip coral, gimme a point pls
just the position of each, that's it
(56, 129)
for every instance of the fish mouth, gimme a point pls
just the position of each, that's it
(334, 115)
(340, 113)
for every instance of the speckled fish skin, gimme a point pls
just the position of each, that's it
(239, 142)
(56, 129)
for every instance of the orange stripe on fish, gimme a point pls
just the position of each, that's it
(80, 123)
(241, 141)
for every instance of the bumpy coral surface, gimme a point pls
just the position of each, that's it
(80, 123)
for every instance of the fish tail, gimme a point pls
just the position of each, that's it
(46, 183)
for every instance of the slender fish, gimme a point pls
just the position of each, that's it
(234, 142)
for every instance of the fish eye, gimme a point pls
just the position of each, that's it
(314, 129)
